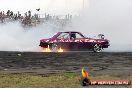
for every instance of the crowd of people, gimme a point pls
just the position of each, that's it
(29, 19)
(25, 19)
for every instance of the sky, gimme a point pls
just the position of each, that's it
(49, 6)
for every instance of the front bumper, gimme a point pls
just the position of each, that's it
(106, 45)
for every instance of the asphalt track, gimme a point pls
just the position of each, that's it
(43, 63)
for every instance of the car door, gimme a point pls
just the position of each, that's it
(77, 41)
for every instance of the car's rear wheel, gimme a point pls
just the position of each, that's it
(97, 48)
(54, 47)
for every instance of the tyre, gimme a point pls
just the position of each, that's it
(54, 47)
(97, 48)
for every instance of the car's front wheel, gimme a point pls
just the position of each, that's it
(97, 48)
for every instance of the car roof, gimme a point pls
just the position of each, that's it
(70, 32)
(58, 33)
(73, 32)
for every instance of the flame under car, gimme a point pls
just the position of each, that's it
(74, 41)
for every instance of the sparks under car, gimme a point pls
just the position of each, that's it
(74, 41)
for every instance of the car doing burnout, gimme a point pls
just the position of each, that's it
(74, 41)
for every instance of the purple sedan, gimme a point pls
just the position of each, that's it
(74, 41)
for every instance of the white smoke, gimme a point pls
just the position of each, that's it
(113, 18)
(13, 37)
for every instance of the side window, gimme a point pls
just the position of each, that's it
(78, 35)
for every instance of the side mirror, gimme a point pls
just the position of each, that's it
(101, 36)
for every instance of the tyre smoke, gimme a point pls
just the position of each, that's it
(13, 37)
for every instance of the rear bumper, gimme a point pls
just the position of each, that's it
(44, 45)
